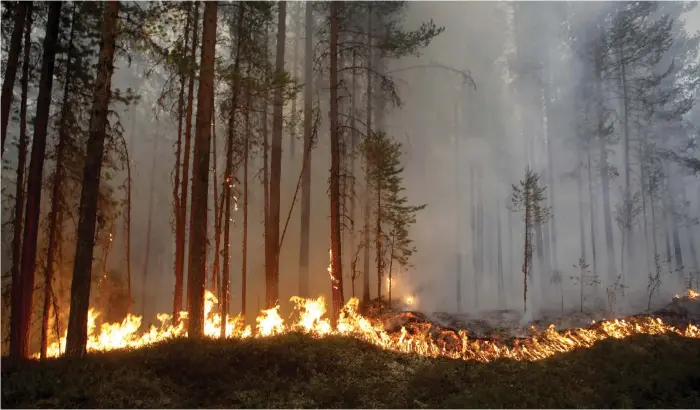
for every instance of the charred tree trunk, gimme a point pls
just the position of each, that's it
(20, 185)
(22, 313)
(56, 191)
(177, 200)
(217, 213)
(246, 154)
(8, 83)
(80, 289)
(295, 69)
(179, 280)
(353, 148)
(336, 262)
(272, 268)
(368, 190)
(127, 218)
(228, 186)
(306, 172)
(200, 174)
(581, 224)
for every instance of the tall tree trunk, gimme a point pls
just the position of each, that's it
(217, 215)
(677, 253)
(127, 218)
(591, 204)
(626, 251)
(228, 187)
(272, 268)
(149, 224)
(179, 281)
(550, 176)
(56, 190)
(82, 270)
(21, 317)
(458, 210)
(246, 154)
(200, 174)
(177, 200)
(354, 136)
(295, 68)
(602, 146)
(16, 299)
(266, 166)
(581, 224)
(8, 83)
(368, 189)
(306, 171)
(336, 261)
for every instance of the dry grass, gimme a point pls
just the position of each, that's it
(295, 371)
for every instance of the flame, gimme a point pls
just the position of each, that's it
(691, 295)
(410, 300)
(415, 338)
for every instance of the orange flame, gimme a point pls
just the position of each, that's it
(414, 339)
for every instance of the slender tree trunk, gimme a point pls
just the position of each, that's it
(127, 219)
(80, 289)
(591, 203)
(306, 172)
(581, 224)
(295, 68)
(550, 176)
(8, 83)
(56, 190)
(179, 281)
(217, 215)
(604, 178)
(458, 212)
(653, 218)
(336, 261)
(677, 253)
(21, 317)
(266, 168)
(246, 154)
(177, 200)
(16, 299)
(626, 154)
(228, 187)
(272, 280)
(200, 176)
(149, 224)
(368, 190)
(353, 148)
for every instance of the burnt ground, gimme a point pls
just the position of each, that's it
(296, 371)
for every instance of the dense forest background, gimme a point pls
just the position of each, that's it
(425, 103)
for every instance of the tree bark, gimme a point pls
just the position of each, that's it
(368, 190)
(179, 281)
(295, 66)
(177, 200)
(336, 261)
(272, 268)
(16, 290)
(21, 322)
(8, 83)
(200, 181)
(306, 172)
(82, 270)
(56, 191)
(228, 182)
(246, 154)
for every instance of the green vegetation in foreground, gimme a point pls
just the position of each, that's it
(336, 372)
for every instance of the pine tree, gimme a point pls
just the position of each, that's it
(528, 198)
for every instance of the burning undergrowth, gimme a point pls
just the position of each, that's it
(408, 332)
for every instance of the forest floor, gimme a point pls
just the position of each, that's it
(293, 371)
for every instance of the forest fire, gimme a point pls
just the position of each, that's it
(414, 338)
